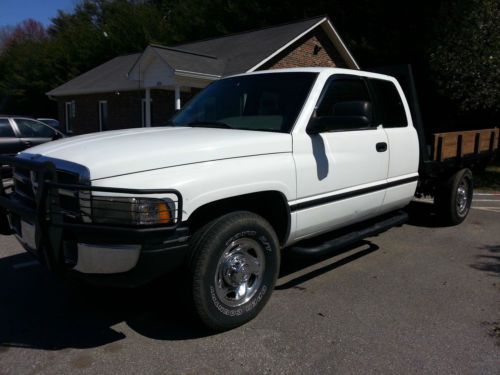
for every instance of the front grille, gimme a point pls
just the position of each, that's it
(65, 177)
(25, 187)
(68, 198)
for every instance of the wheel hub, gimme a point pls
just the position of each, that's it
(236, 271)
(239, 272)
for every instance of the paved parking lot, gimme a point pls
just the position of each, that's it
(416, 299)
(487, 202)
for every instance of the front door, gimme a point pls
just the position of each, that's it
(33, 132)
(341, 174)
(9, 142)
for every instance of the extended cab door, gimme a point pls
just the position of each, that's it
(341, 170)
(393, 114)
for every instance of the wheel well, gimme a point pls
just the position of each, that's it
(271, 205)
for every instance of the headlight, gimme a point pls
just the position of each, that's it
(130, 211)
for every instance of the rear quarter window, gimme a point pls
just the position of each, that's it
(389, 108)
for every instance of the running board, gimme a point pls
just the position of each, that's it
(351, 236)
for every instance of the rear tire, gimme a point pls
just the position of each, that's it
(454, 198)
(234, 269)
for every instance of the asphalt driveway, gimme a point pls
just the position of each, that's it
(416, 299)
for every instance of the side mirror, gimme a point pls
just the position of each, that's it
(56, 136)
(343, 116)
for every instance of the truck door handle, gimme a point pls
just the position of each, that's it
(27, 143)
(381, 147)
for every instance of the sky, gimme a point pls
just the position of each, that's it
(14, 11)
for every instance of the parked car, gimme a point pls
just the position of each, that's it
(254, 165)
(19, 133)
(51, 122)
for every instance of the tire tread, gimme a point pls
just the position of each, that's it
(201, 255)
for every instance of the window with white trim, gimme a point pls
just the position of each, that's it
(70, 114)
(103, 115)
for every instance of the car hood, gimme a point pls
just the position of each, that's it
(122, 152)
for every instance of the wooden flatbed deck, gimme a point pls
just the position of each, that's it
(464, 143)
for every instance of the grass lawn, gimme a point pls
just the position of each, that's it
(489, 179)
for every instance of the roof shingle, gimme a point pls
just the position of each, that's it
(107, 77)
(192, 62)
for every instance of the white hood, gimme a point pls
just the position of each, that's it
(127, 151)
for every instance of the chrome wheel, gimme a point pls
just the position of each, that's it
(239, 271)
(236, 259)
(462, 198)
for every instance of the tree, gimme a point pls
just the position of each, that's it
(24, 69)
(457, 57)
(465, 56)
(5, 36)
(35, 60)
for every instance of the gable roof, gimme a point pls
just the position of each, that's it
(215, 57)
(239, 50)
(188, 61)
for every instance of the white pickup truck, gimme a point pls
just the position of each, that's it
(253, 165)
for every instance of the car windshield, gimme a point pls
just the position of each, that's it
(260, 102)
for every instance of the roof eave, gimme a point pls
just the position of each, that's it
(60, 93)
(341, 47)
(332, 34)
(189, 74)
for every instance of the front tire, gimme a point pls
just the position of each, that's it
(234, 269)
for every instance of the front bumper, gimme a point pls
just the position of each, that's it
(103, 254)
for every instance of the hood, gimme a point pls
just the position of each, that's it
(121, 152)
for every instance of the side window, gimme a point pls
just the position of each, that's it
(6, 129)
(389, 110)
(103, 115)
(70, 114)
(345, 103)
(34, 129)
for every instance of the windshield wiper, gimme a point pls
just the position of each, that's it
(210, 124)
(261, 130)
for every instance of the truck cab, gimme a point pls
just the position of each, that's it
(355, 152)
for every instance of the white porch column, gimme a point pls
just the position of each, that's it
(177, 97)
(148, 107)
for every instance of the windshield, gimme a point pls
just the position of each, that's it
(261, 102)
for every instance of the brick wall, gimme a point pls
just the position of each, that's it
(124, 109)
(313, 49)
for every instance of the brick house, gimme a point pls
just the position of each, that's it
(144, 89)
